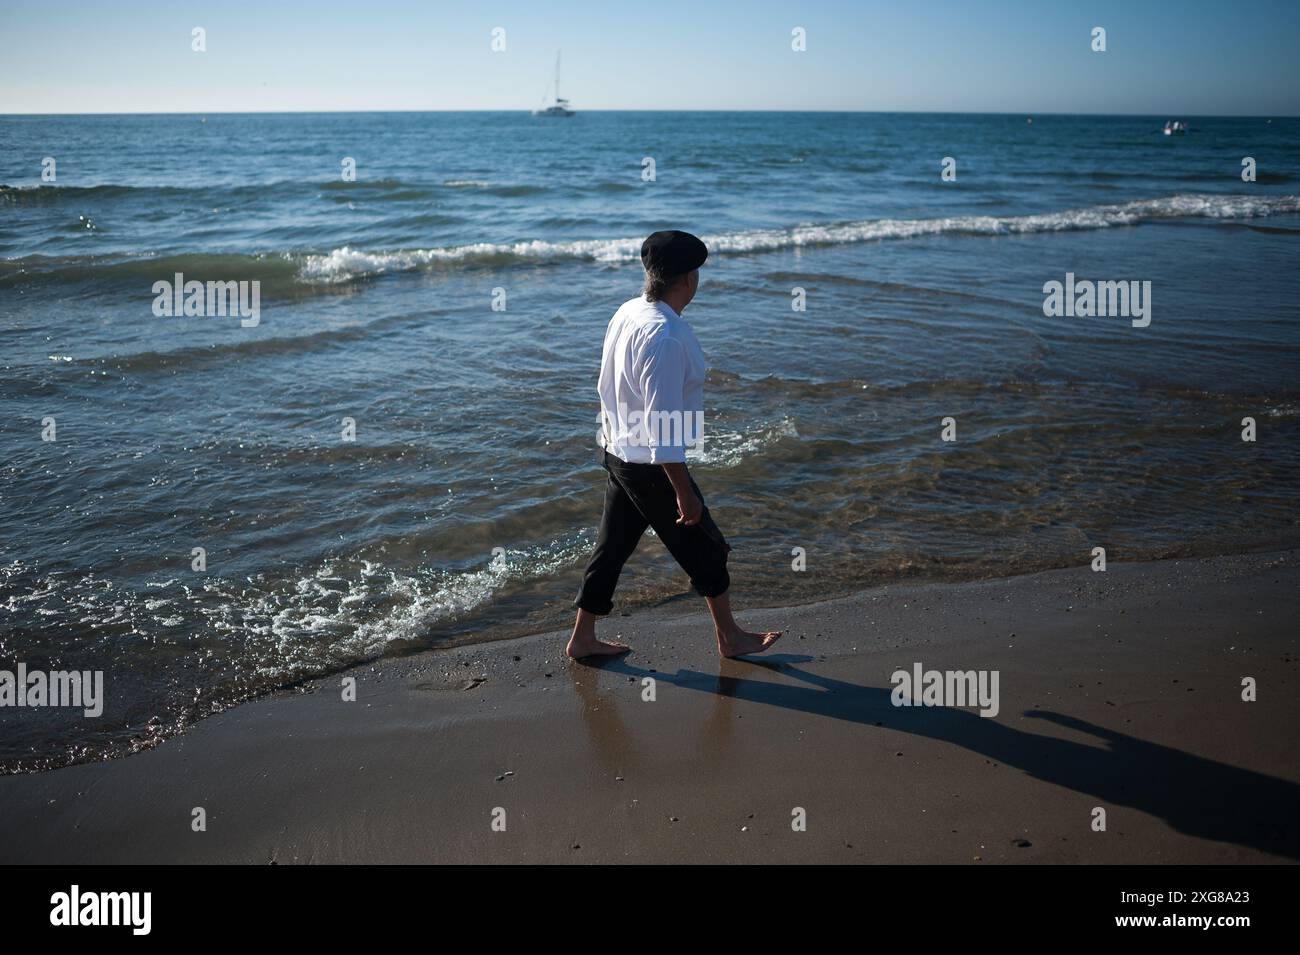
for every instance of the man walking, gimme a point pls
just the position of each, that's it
(652, 407)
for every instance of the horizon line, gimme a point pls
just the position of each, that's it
(923, 112)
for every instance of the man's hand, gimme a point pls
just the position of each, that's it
(689, 506)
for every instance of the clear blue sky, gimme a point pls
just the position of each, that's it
(1164, 57)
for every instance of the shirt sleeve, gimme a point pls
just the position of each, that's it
(663, 382)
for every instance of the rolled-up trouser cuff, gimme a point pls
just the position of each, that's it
(590, 606)
(714, 587)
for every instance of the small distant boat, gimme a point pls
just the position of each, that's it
(1175, 126)
(559, 106)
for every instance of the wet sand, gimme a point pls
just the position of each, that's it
(1119, 690)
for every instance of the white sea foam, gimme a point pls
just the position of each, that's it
(346, 612)
(726, 449)
(347, 263)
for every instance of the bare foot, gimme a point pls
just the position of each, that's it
(589, 646)
(740, 642)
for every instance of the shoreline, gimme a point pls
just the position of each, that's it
(674, 604)
(1119, 689)
(669, 606)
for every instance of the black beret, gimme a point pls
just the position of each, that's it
(672, 253)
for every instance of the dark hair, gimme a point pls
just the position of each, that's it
(657, 284)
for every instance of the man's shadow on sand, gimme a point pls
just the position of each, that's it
(1199, 797)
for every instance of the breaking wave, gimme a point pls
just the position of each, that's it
(346, 263)
(285, 271)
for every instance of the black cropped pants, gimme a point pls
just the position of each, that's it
(638, 496)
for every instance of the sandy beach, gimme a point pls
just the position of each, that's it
(1119, 690)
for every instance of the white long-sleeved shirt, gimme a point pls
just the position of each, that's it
(651, 385)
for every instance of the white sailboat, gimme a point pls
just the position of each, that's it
(560, 106)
